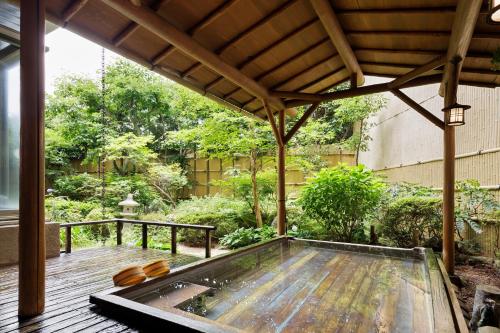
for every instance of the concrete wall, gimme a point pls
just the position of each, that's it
(407, 147)
(9, 249)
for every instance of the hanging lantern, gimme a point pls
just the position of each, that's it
(129, 206)
(494, 12)
(455, 114)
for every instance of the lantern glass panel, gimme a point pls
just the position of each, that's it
(495, 11)
(456, 116)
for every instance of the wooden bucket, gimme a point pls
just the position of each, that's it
(129, 276)
(157, 268)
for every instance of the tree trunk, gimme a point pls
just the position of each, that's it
(256, 204)
(358, 146)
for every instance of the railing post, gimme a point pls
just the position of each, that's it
(119, 227)
(144, 236)
(68, 239)
(208, 243)
(173, 240)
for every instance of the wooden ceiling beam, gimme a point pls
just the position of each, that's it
(461, 34)
(293, 77)
(7, 51)
(470, 70)
(439, 61)
(300, 122)
(208, 19)
(282, 65)
(132, 27)
(272, 121)
(419, 108)
(306, 98)
(261, 52)
(74, 7)
(332, 26)
(162, 28)
(240, 36)
(477, 55)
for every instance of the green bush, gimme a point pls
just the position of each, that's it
(243, 237)
(77, 187)
(225, 214)
(407, 215)
(301, 225)
(342, 198)
(63, 210)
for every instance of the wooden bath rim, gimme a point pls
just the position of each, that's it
(117, 302)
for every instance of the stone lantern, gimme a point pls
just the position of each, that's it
(129, 206)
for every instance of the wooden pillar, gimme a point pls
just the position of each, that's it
(31, 186)
(449, 176)
(281, 176)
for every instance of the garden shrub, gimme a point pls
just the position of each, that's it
(301, 225)
(407, 215)
(77, 187)
(341, 198)
(118, 187)
(224, 213)
(247, 236)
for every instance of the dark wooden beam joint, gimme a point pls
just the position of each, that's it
(420, 109)
(300, 122)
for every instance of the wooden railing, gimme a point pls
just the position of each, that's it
(119, 226)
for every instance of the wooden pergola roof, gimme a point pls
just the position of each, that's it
(240, 52)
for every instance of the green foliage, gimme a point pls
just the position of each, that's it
(341, 198)
(301, 225)
(79, 187)
(413, 214)
(473, 204)
(168, 180)
(225, 214)
(118, 187)
(239, 184)
(243, 237)
(59, 209)
(495, 59)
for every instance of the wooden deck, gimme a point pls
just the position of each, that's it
(71, 278)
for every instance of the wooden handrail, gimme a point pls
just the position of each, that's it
(119, 225)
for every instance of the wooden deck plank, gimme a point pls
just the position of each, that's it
(71, 278)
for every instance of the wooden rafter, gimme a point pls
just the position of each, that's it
(470, 70)
(461, 34)
(419, 108)
(132, 27)
(7, 51)
(439, 61)
(332, 26)
(300, 122)
(162, 28)
(277, 11)
(296, 75)
(305, 98)
(272, 122)
(303, 27)
(282, 65)
(74, 7)
(211, 17)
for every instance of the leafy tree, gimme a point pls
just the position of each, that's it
(168, 180)
(341, 198)
(226, 134)
(127, 152)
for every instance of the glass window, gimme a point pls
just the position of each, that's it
(9, 129)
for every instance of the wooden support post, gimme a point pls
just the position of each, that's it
(67, 249)
(144, 236)
(119, 228)
(449, 175)
(281, 176)
(32, 161)
(208, 243)
(173, 240)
